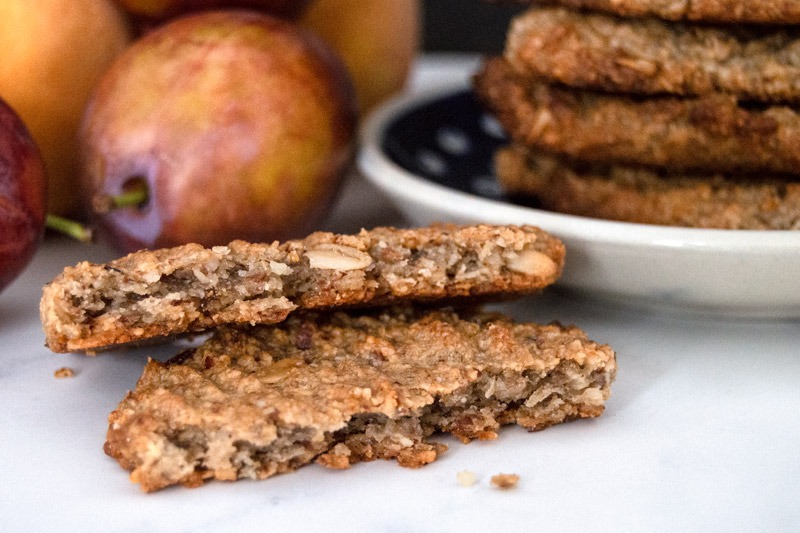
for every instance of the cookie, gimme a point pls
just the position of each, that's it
(635, 194)
(342, 388)
(651, 57)
(768, 12)
(190, 288)
(713, 133)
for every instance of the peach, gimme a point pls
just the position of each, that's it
(377, 39)
(53, 53)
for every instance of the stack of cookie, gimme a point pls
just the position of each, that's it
(645, 112)
(289, 377)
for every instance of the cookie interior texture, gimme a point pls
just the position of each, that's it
(190, 288)
(343, 388)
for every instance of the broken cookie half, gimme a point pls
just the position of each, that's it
(190, 288)
(253, 402)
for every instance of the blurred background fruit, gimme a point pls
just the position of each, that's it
(377, 39)
(239, 124)
(22, 196)
(154, 11)
(51, 54)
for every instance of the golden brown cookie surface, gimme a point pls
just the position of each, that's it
(343, 388)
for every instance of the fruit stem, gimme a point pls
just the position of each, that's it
(103, 203)
(76, 230)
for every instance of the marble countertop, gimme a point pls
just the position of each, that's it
(701, 432)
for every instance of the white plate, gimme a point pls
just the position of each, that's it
(733, 273)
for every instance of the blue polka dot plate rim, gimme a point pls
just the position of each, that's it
(431, 153)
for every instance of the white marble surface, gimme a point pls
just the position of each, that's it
(701, 433)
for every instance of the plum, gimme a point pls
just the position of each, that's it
(22, 195)
(238, 125)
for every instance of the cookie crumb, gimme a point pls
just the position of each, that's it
(65, 372)
(505, 481)
(466, 478)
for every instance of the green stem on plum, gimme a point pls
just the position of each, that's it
(76, 230)
(103, 203)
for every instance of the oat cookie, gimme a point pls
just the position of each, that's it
(650, 56)
(191, 288)
(709, 133)
(635, 194)
(342, 388)
(756, 11)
